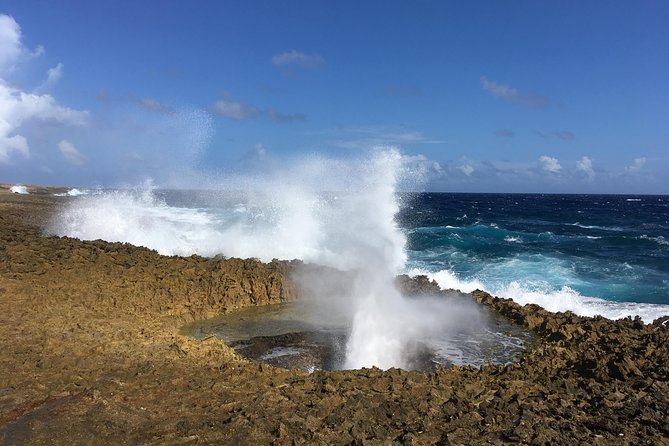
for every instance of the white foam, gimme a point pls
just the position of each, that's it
(74, 192)
(448, 280)
(137, 217)
(601, 228)
(18, 189)
(566, 299)
(659, 239)
(555, 300)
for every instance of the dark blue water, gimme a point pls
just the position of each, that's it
(578, 252)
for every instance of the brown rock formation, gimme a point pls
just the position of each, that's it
(91, 354)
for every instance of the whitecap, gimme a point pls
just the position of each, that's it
(659, 239)
(567, 299)
(552, 299)
(601, 228)
(74, 192)
(448, 280)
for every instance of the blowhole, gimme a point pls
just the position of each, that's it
(296, 336)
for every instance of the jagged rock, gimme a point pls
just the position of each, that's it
(91, 354)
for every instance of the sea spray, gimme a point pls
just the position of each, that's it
(380, 330)
(340, 214)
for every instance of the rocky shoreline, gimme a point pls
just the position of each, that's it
(91, 354)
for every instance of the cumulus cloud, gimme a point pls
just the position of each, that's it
(53, 76)
(12, 50)
(420, 167)
(636, 166)
(584, 165)
(550, 164)
(11, 144)
(235, 110)
(18, 107)
(467, 169)
(70, 152)
(10, 41)
(510, 94)
(297, 58)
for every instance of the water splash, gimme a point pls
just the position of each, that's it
(337, 213)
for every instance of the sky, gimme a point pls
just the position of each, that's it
(485, 96)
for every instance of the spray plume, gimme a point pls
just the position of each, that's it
(335, 213)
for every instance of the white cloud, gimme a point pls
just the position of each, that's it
(53, 76)
(70, 152)
(585, 165)
(510, 94)
(10, 144)
(297, 58)
(466, 169)
(11, 48)
(236, 110)
(18, 107)
(420, 167)
(550, 164)
(10, 42)
(636, 165)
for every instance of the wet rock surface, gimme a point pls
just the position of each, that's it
(303, 335)
(91, 354)
(307, 351)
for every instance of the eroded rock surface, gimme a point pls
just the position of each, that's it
(91, 354)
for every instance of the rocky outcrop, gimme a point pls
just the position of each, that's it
(416, 286)
(104, 275)
(91, 354)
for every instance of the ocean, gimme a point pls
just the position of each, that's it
(590, 254)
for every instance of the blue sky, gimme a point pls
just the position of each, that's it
(495, 96)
